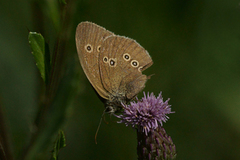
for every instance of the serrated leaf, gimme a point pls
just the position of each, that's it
(60, 143)
(37, 45)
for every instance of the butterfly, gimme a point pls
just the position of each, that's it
(113, 64)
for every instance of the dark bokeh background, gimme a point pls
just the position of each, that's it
(195, 46)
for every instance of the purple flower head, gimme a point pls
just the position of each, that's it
(147, 113)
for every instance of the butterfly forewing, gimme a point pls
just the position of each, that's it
(89, 38)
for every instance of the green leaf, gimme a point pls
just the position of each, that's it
(37, 45)
(60, 143)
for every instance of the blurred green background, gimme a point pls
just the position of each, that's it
(195, 46)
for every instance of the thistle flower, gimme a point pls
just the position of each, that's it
(147, 113)
(147, 116)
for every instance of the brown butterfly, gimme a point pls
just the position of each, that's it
(113, 64)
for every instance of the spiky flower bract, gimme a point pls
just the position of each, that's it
(157, 145)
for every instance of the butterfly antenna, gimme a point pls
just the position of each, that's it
(99, 125)
(149, 77)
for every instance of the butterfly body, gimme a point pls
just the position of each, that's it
(113, 64)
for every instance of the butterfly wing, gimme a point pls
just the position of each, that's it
(89, 38)
(122, 61)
